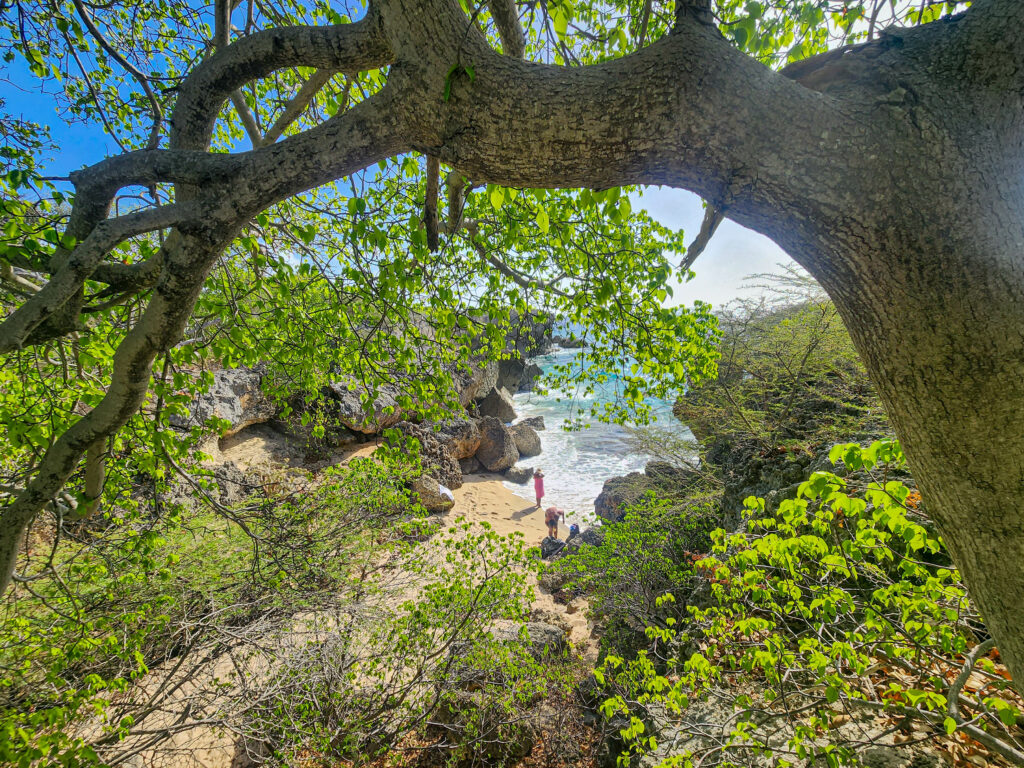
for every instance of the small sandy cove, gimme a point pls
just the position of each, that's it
(482, 499)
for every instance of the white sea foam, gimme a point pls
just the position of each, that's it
(577, 463)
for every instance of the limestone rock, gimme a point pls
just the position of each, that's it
(497, 403)
(234, 396)
(436, 458)
(516, 375)
(536, 422)
(477, 382)
(550, 547)
(471, 465)
(544, 641)
(521, 475)
(429, 492)
(527, 440)
(233, 484)
(510, 373)
(497, 451)
(385, 412)
(618, 493)
(594, 536)
(553, 580)
(531, 373)
(460, 436)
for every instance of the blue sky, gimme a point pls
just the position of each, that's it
(732, 254)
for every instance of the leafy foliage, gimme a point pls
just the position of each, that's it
(788, 373)
(136, 595)
(638, 561)
(826, 624)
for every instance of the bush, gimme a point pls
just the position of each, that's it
(650, 553)
(79, 639)
(841, 606)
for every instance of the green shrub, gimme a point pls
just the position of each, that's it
(842, 604)
(649, 554)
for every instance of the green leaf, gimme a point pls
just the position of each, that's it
(542, 221)
(497, 197)
(560, 21)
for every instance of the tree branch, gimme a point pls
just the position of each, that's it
(348, 48)
(154, 134)
(298, 103)
(513, 41)
(358, 138)
(953, 694)
(430, 202)
(713, 216)
(69, 279)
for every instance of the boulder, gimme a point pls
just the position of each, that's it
(471, 465)
(594, 536)
(475, 383)
(618, 493)
(429, 492)
(543, 641)
(572, 341)
(497, 403)
(550, 547)
(527, 440)
(531, 373)
(521, 475)
(587, 537)
(662, 470)
(460, 436)
(537, 422)
(435, 457)
(553, 580)
(236, 397)
(497, 451)
(384, 413)
(510, 373)
(307, 412)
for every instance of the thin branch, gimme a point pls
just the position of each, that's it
(713, 216)
(430, 203)
(69, 279)
(513, 41)
(221, 39)
(953, 694)
(645, 21)
(456, 184)
(158, 116)
(298, 103)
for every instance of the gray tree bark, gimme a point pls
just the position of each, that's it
(891, 171)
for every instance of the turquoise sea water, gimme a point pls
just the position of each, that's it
(576, 464)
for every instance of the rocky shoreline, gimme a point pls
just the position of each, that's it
(485, 437)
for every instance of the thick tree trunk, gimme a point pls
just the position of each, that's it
(942, 334)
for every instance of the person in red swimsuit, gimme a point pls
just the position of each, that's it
(538, 486)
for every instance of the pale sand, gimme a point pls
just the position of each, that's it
(483, 498)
